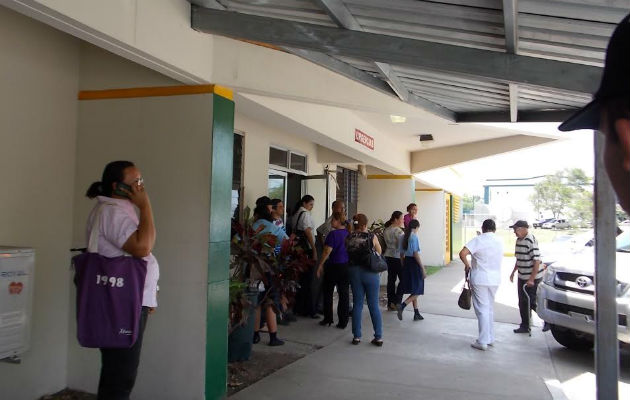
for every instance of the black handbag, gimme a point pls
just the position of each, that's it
(465, 298)
(376, 261)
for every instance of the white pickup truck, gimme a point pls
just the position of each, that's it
(566, 297)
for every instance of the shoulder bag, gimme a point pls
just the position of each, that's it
(109, 295)
(465, 298)
(376, 261)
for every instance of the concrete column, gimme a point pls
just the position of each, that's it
(219, 245)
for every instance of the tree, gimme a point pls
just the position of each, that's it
(581, 208)
(468, 203)
(557, 193)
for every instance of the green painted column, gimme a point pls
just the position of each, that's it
(219, 247)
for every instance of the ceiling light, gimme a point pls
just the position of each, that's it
(397, 119)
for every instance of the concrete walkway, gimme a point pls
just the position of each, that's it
(430, 359)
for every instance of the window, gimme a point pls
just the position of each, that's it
(287, 160)
(278, 157)
(237, 177)
(348, 181)
(298, 162)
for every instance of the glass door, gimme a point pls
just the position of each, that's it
(277, 186)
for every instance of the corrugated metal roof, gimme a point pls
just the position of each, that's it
(576, 31)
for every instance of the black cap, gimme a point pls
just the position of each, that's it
(520, 224)
(615, 80)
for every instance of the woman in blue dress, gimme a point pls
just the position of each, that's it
(413, 271)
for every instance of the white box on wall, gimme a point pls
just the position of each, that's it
(17, 266)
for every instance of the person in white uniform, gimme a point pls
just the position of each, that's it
(486, 251)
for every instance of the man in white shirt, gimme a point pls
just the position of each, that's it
(486, 251)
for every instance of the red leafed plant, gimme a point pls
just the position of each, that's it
(253, 259)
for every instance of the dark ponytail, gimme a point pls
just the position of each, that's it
(413, 224)
(394, 217)
(113, 172)
(304, 200)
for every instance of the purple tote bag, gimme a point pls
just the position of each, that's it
(109, 295)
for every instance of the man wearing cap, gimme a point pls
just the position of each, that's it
(529, 272)
(609, 112)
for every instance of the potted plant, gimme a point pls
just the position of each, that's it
(251, 261)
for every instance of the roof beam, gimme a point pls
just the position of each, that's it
(339, 13)
(495, 66)
(513, 102)
(523, 116)
(510, 24)
(426, 160)
(510, 12)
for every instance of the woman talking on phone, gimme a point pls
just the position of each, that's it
(125, 224)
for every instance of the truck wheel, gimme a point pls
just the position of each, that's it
(571, 339)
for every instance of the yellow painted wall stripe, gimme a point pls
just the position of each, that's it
(157, 91)
(390, 176)
(429, 190)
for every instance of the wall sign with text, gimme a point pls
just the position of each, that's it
(366, 140)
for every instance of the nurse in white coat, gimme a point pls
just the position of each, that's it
(486, 251)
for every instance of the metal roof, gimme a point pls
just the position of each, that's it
(570, 32)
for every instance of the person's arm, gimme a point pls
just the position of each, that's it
(311, 240)
(141, 242)
(325, 255)
(463, 255)
(377, 245)
(532, 277)
(416, 255)
(513, 271)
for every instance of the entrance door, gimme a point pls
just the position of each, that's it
(277, 186)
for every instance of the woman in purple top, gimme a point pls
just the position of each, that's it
(335, 257)
(412, 213)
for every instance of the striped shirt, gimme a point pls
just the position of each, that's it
(527, 254)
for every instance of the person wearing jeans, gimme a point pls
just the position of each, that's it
(363, 281)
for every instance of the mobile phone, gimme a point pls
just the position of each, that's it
(118, 192)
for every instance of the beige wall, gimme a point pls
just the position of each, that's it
(258, 138)
(169, 138)
(378, 198)
(39, 71)
(153, 33)
(432, 235)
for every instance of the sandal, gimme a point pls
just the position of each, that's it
(356, 341)
(377, 342)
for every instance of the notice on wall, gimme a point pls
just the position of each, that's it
(366, 140)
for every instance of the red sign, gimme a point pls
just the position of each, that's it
(15, 287)
(366, 140)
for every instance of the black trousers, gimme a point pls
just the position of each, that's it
(394, 269)
(119, 367)
(337, 275)
(522, 300)
(304, 294)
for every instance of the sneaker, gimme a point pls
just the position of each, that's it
(521, 329)
(546, 327)
(479, 346)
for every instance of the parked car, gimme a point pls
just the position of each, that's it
(556, 224)
(539, 222)
(566, 297)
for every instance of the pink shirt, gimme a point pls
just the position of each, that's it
(118, 221)
(408, 219)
